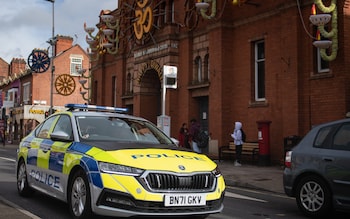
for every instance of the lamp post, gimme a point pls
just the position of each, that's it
(52, 42)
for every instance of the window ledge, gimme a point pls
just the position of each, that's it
(198, 85)
(128, 96)
(254, 104)
(321, 75)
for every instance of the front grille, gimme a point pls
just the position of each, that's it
(160, 182)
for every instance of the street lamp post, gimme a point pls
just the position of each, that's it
(52, 42)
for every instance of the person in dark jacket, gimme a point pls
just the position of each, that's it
(194, 130)
(183, 136)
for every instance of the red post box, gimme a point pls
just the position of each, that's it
(264, 142)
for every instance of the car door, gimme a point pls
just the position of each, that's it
(339, 170)
(57, 154)
(38, 157)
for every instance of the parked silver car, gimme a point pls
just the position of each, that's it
(317, 171)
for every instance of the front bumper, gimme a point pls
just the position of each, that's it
(124, 196)
(112, 203)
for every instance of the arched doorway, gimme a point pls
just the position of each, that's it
(150, 95)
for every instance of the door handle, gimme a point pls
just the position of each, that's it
(328, 159)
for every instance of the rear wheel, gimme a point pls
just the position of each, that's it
(22, 180)
(314, 197)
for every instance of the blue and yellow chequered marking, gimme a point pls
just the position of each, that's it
(62, 157)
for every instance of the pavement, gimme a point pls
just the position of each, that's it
(265, 178)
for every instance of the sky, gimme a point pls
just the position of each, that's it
(27, 24)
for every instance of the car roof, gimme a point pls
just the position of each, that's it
(105, 114)
(333, 122)
(104, 111)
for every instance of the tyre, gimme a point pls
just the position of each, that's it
(22, 180)
(313, 197)
(79, 199)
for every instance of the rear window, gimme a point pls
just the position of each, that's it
(322, 136)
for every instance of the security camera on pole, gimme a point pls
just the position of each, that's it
(169, 81)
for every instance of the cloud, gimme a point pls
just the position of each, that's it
(27, 24)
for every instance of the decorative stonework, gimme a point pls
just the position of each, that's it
(151, 64)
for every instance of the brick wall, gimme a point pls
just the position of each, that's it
(297, 96)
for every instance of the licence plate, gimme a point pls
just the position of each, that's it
(184, 199)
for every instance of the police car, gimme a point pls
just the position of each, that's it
(102, 161)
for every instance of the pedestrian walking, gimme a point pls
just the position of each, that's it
(238, 141)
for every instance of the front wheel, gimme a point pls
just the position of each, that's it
(313, 197)
(22, 180)
(79, 199)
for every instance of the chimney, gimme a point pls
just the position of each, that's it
(17, 65)
(63, 43)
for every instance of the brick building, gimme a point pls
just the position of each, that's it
(26, 94)
(250, 61)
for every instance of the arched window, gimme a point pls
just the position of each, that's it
(114, 90)
(95, 93)
(128, 84)
(197, 75)
(162, 12)
(172, 13)
(206, 68)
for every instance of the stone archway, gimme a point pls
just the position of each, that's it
(150, 95)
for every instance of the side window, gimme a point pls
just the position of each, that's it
(341, 139)
(43, 131)
(64, 124)
(322, 136)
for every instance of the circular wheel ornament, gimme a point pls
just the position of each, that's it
(65, 84)
(39, 61)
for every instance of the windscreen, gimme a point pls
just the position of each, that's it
(100, 128)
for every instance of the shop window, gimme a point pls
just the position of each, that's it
(259, 67)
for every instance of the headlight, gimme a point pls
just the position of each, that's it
(216, 172)
(119, 169)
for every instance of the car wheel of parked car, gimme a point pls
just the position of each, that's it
(22, 181)
(79, 200)
(313, 196)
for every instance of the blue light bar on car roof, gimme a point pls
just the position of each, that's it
(72, 106)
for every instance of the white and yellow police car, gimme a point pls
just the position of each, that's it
(102, 161)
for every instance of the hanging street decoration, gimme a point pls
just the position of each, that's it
(65, 84)
(39, 61)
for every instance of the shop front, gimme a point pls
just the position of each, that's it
(24, 119)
